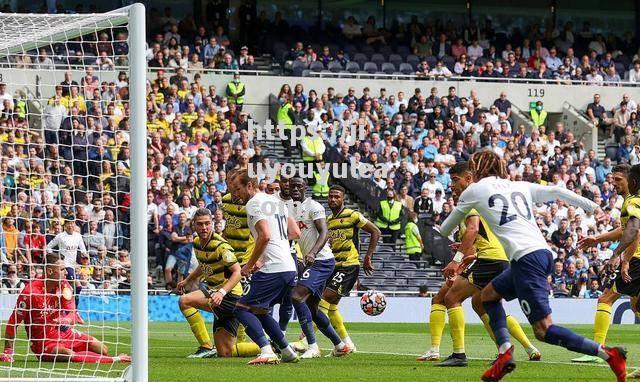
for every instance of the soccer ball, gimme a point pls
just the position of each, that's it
(373, 303)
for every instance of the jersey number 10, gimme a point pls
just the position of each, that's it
(282, 226)
(505, 217)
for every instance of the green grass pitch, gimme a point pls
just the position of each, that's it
(386, 352)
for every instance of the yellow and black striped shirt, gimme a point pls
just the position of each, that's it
(342, 230)
(487, 245)
(215, 257)
(630, 208)
(236, 230)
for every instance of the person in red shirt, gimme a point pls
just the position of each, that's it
(48, 310)
(34, 242)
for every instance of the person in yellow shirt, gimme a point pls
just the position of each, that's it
(75, 99)
(479, 259)
(190, 115)
(219, 269)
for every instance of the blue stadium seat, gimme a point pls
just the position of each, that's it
(352, 67)
(406, 68)
(413, 60)
(316, 66)
(388, 68)
(395, 59)
(377, 58)
(335, 66)
(360, 58)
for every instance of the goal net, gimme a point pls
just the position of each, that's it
(73, 174)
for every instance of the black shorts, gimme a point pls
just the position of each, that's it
(299, 267)
(481, 271)
(631, 289)
(224, 317)
(343, 279)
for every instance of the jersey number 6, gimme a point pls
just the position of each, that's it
(505, 217)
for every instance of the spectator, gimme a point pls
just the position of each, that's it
(389, 216)
(413, 239)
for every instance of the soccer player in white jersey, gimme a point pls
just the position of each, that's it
(318, 268)
(272, 269)
(507, 208)
(68, 243)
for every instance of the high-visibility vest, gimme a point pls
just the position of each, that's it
(321, 187)
(314, 144)
(236, 88)
(21, 108)
(391, 213)
(283, 115)
(538, 119)
(410, 239)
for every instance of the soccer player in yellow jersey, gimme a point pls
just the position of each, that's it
(218, 268)
(343, 224)
(482, 252)
(626, 184)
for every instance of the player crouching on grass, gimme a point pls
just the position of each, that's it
(479, 259)
(220, 271)
(48, 310)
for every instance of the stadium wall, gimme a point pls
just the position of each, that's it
(399, 310)
(260, 87)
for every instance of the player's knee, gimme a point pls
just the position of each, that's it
(438, 299)
(451, 300)
(540, 329)
(183, 302)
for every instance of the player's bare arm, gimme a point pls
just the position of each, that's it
(323, 237)
(590, 241)
(190, 278)
(262, 229)
(375, 233)
(465, 250)
(232, 281)
(293, 231)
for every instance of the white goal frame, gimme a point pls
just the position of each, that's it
(135, 16)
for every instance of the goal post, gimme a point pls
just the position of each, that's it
(59, 155)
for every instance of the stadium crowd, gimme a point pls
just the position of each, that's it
(419, 138)
(424, 48)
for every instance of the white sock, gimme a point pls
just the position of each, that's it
(504, 347)
(288, 351)
(602, 353)
(266, 351)
(435, 349)
(531, 349)
(347, 340)
(314, 347)
(340, 346)
(284, 333)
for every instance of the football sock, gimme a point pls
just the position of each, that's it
(456, 327)
(266, 351)
(516, 332)
(284, 314)
(498, 322)
(336, 321)
(602, 323)
(306, 322)
(91, 357)
(272, 329)
(245, 349)
(436, 325)
(324, 325)
(252, 326)
(198, 327)
(487, 326)
(558, 335)
(242, 334)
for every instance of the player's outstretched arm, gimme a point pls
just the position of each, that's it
(15, 319)
(293, 231)
(590, 241)
(466, 202)
(545, 194)
(371, 248)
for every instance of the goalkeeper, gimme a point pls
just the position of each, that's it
(48, 310)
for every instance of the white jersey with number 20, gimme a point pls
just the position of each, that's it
(276, 256)
(507, 208)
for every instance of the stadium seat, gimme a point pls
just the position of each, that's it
(388, 68)
(335, 66)
(360, 58)
(611, 152)
(367, 49)
(403, 51)
(316, 66)
(406, 68)
(350, 49)
(298, 67)
(413, 60)
(378, 59)
(385, 50)
(395, 59)
(370, 67)
(353, 67)
(305, 73)
(431, 60)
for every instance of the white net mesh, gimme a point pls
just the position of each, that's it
(65, 179)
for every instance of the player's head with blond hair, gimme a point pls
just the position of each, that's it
(487, 163)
